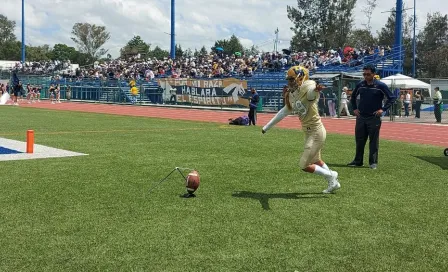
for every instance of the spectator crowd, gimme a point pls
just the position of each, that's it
(41, 67)
(213, 65)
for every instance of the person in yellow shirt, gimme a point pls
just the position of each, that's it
(301, 97)
(134, 93)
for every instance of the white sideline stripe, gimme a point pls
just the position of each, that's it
(40, 151)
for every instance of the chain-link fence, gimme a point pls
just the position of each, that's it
(214, 93)
(415, 98)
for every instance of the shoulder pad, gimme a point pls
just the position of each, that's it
(309, 84)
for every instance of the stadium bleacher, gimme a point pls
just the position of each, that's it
(268, 81)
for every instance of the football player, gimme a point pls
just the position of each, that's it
(301, 97)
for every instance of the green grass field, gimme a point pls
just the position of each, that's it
(254, 211)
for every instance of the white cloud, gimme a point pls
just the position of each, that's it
(246, 42)
(199, 18)
(198, 22)
(36, 17)
(225, 29)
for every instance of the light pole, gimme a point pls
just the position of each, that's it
(399, 26)
(23, 31)
(276, 41)
(173, 42)
(398, 39)
(413, 45)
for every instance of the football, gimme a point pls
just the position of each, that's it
(192, 181)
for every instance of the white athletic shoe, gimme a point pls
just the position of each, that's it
(333, 183)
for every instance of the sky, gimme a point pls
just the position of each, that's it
(198, 22)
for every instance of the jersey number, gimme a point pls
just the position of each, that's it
(300, 108)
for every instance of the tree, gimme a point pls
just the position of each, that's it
(230, 46)
(386, 36)
(7, 30)
(433, 46)
(10, 50)
(203, 51)
(63, 52)
(368, 11)
(435, 63)
(340, 23)
(301, 42)
(251, 51)
(407, 43)
(320, 23)
(179, 51)
(435, 33)
(158, 53)
(360, 38)
(306, 25)
(9, 46)
(38, 53)
(90, 38)
(82, 59)
(188, 53)
(135, 46)
(196, 53)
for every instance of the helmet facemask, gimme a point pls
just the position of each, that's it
(300, 79)
(296, 76)
(292, 83)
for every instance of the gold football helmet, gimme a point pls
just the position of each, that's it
(296, 75)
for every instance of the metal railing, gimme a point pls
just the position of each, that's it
(270, 91)
(392, 61)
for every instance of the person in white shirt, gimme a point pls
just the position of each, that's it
(438, 105)
(343, 104)
(407, 102)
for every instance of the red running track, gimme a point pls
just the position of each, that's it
(432, 134)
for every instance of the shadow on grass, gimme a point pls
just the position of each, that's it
(344, 165)
(442, 162)
(264, 197)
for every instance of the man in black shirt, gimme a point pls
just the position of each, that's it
(18, 92)
(368, 113)
(253, 107)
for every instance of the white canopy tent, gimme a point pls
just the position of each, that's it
(405, 82)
